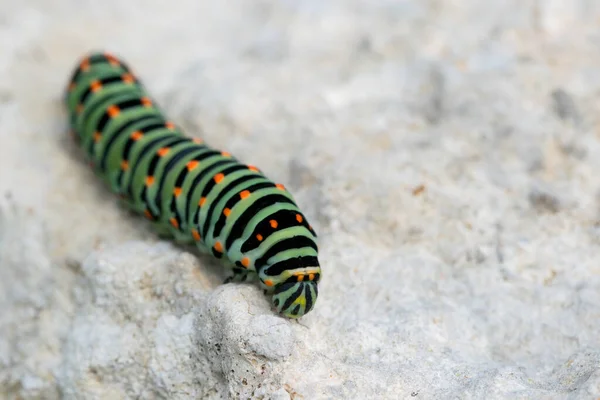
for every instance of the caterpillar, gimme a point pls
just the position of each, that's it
(191, 192)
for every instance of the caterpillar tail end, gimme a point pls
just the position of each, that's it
(295, 299)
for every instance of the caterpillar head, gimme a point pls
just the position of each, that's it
(296, 294)
(294, 299)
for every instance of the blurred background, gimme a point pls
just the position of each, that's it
(446, 152)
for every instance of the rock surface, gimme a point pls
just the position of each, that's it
(446, 152)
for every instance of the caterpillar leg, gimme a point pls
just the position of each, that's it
(181, 238)
(126, 203)
(163, 232)
(241, 275)
(202, 249)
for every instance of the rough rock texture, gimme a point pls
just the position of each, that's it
(446, 152)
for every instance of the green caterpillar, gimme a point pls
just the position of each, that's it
(191, 192)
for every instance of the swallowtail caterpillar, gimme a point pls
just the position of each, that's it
(190, 191)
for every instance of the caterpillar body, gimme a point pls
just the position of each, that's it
(190, 191)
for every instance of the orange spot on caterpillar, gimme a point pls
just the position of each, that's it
(197, 140)
(311, 277)
(147, 214)
(299, 218)
(112, 60)
(226, 212)
(273, 223)
(252, 168)
(269, 282)
(219, 177)
(192, 165)
(177, 192)
(163, 151)
(174, 222)
(259, 237)
(245, 262)
(280, 186)
(218, 247)
(124, 165)
(149, 180)
(137, 135)
(127, 78)
(300, 278)
(196, 235)
(113, 111)
(146, 102)
(202, 201)
(97, 136)
(85, 65)
(244, 194)
(96, 86)
(170, 125)
(225, 154)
